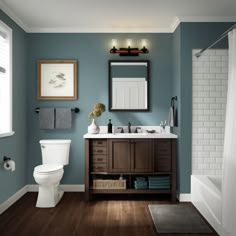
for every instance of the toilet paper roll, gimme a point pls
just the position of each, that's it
(10, 165)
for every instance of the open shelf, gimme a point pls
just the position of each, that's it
(130, 191)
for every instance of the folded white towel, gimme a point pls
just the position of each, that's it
(171, 117)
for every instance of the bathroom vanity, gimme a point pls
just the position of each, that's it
(120, 159)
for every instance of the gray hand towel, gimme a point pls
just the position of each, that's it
(171, 117)
(63, 118)
(46, 118)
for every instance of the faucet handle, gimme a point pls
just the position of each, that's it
(136, 129)
(121, 129)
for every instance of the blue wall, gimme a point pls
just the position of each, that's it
(15, 146)
(92, 53)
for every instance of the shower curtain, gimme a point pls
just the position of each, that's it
(229, 154)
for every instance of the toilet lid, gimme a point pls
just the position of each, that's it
(48, 168)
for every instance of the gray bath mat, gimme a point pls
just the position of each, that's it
(178, 219)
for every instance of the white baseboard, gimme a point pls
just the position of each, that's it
(73, 187)
(10, 201)
(34, 188)
(64, 187)
(184, 197)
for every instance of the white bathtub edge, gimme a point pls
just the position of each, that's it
(201, 205)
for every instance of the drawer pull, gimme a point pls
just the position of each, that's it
(99, 142)
(99, 150)
(100, 159)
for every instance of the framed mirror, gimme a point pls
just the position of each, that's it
(128, 85)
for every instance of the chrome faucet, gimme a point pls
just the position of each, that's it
(129, 127)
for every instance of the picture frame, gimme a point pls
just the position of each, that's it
(57, 80)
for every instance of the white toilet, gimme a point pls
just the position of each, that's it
(55, 154)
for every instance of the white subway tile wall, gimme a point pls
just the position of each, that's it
(210, 75)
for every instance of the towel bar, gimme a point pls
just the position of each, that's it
(75, 110)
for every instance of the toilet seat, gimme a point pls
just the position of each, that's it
(48, 169)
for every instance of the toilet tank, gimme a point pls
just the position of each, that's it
(55, 151)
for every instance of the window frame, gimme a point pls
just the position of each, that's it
(9, 131)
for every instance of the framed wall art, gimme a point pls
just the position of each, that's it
(57, 80)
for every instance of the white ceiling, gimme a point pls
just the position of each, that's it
(115, 15)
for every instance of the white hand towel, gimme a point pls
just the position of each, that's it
(171, 117)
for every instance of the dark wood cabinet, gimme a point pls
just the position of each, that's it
(130, 158)
(119, 155)
(130, 155)
(142, 155)
(98, 155)
(162, 153)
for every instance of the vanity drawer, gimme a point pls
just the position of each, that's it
(99, 150)
(99, 143)
(99, 159)
(163, 147)
(97, 167)
(163, 164)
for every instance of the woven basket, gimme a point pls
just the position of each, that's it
(109, 184)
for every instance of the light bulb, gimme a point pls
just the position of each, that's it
(114, 43)
(129, 42)
(144, 43)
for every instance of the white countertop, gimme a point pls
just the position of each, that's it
(130, 135)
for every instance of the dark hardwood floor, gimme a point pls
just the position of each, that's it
(74, 216)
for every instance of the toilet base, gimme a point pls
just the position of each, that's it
(48, 196)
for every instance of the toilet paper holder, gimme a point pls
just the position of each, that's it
(6, 159)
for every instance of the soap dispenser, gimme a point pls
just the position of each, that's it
(109, 127)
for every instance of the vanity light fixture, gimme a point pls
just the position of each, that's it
(129, 50)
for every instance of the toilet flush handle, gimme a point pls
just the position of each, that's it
(42, 146)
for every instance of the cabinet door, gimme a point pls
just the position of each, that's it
(162, 159)
(119, 155)
(142, 155)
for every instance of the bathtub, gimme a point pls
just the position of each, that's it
(207, 198)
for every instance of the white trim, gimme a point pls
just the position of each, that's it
(6, 134)
(184, 197)
(73, 187)
(64, 187)
(94, 29)
(7, 125)
(13, 16)
(207, 18)
(32, 188)
(10, 201)
(174, 25)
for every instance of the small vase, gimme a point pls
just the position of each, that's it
(93, 128)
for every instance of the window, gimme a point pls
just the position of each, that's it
(5, 80)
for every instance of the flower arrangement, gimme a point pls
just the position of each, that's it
(98, 109)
